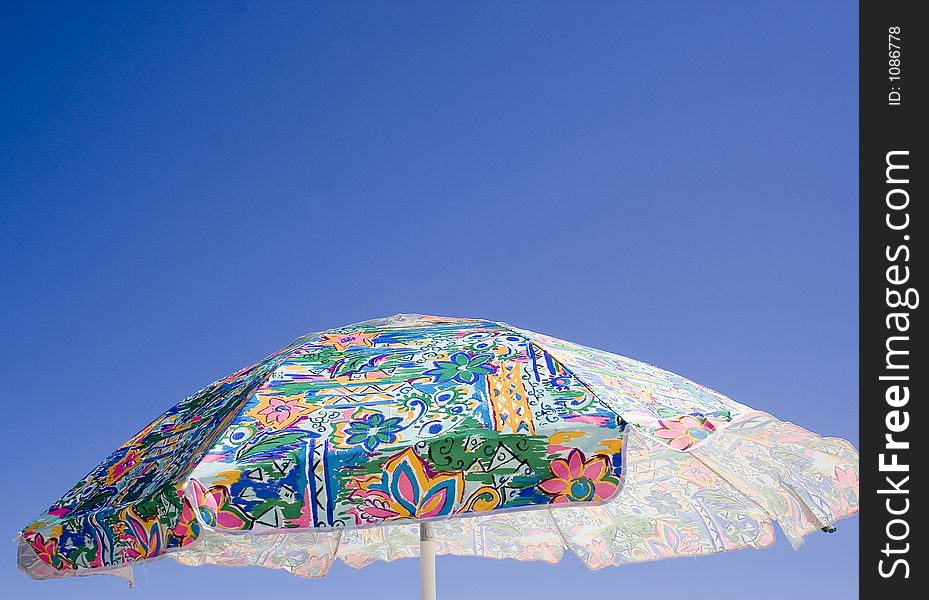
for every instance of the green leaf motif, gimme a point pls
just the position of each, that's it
(270, 442)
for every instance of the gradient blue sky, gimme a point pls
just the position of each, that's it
(185, 188)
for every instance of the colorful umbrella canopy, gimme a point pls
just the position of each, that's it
(344, 442)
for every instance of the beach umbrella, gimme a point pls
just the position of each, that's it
(417, 435)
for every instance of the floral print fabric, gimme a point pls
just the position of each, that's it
(671, 504)
(132, 506)
(678, 411)
(518, 445)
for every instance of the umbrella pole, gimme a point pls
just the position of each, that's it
(427, 561)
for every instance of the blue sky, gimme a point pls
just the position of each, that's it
(185, 188)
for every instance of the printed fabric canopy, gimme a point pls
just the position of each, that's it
(340, 444)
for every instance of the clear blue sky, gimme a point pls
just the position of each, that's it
(185, 188)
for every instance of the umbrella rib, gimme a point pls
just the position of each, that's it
(561, 534)
(529, 340)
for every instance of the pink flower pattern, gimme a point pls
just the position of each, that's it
(577, 479)
(683, 432)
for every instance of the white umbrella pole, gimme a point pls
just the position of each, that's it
(427, 561)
